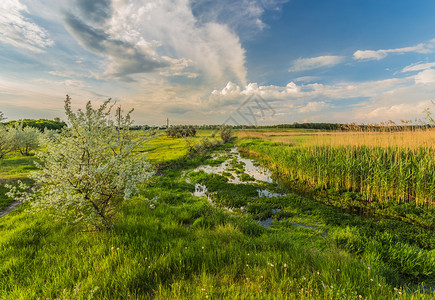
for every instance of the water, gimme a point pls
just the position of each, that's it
(200, 190)
(259, 173)
(268, 194)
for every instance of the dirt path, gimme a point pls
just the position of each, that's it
(9, 208)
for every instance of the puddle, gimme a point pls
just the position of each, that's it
(266, 223)
(200, 190)
(255, 171)
(266, 193)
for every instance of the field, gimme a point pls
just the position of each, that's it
(347, 216)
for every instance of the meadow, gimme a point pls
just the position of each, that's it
(319, 236)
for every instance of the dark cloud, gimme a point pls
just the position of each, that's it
(243, 16)
(96, 10)
(124, 59)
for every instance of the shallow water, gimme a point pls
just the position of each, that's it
(268, 194)
(257, 172)
(200, 190)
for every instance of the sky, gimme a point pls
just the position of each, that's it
(254, 62)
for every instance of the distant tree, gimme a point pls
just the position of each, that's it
(6, 141)
(24, 139)
(2, 117)
(226, 133)
(92, 169)
(179, 131)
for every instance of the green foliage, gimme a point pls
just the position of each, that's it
(183, 247)
(179, 131)
(90, 169)
(380, 174)
(6, 141)
(41, 124)
(25, 139)
(226, 133)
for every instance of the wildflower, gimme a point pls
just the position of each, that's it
(117, 248)
(285, 265)
(368, 268)
(247, 265)
(371, 279)
(318, 273)
(261, 277)
(400, 293)
(338, 270)
(202, 247)
(332, 286)
(185, 247)
(359, 296)
(113, 247)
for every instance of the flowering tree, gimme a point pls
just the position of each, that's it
(91, 168)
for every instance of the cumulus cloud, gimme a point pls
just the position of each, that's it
(157, 37)
(21, 31)
(426, 76)
(428, 47)
(304, 64)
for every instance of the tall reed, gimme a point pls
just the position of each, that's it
(388, 165)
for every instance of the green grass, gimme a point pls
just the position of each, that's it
(168, 244)
(163, 149)
(378, 174)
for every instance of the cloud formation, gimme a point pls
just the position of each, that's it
(428, 47)
(418, 67)
(20, 31)
(157, 37)
(305, 64)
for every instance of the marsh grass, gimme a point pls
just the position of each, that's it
(169, 244)
(383, 167)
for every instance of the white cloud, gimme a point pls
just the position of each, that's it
(304, 64)
(157, 37)
(307, 78)
(20, 31)
(314, 107)
(418, 67)
(428, 47)
(426, 76)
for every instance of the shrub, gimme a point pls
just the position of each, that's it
(226, 133)
(25, 139)
(180, 131)
(91, 170)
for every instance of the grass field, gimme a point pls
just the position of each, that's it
(169, 244)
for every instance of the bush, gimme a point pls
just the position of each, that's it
(24, 139)
(91, 170)
(226, 133)
(180, 131)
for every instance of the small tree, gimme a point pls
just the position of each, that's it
(6, 141)
(24, 139)
(92, 169)
(226, 133)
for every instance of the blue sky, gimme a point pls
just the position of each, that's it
(198, 61)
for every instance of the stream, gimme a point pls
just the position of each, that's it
(256, 173)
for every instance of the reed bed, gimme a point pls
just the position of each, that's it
(384, 166)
